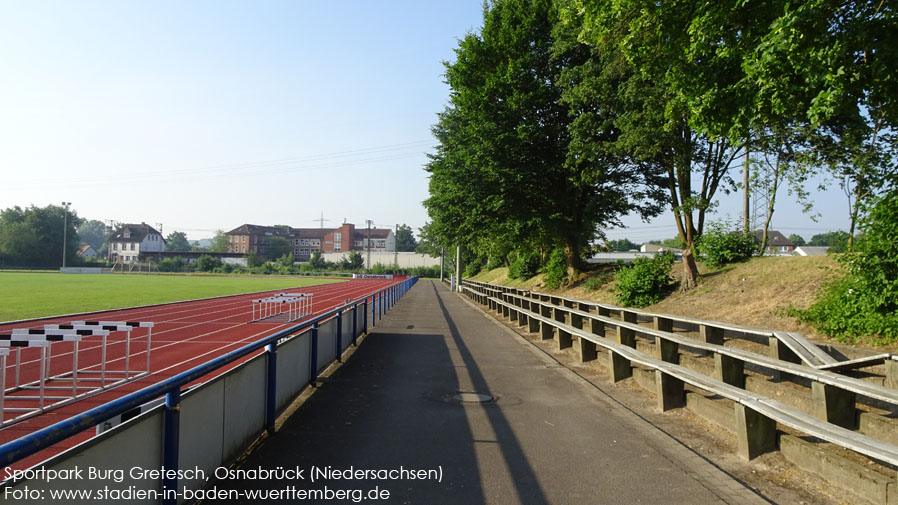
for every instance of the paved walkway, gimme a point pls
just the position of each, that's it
(548, 438)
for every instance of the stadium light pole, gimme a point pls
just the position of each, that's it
(65, 226)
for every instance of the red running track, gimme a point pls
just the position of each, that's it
(186, 334)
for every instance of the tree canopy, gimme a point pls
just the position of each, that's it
(33, 236)
(405, 239)
(177, 241)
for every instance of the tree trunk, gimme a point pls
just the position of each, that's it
(690, 269)
(572, 258)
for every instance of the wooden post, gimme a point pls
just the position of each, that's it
(597, 327)
(669, 390)
(668, 351)
(564, 339)
(711, 334)
(834, 405)
(755, 432)
(729, 370)
(618, 367)
(587, 350)
(662, 323)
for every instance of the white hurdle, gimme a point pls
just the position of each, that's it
(74, 332)
(293, 306)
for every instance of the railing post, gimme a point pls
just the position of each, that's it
(365, 319)
(340, 336)
(170, 443)
(271, 386)
(354, 322)
(313, 369)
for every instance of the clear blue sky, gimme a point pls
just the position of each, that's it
(205, 115)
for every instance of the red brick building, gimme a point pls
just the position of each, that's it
(306, 241)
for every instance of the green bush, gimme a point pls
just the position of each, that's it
(645, 281)
(596, 281)
(473, 268)
(720, 246)
(863, 300)
(206, 263)
(524, 265)
(555, 269)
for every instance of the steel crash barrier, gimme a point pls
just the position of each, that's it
(756, 415)
(214, 422)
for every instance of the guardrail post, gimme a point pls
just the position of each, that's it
(755, 432)
(669, 390)
(271, 386)
(729, 370)
(506, 312)
(171, 441)
(532, 323)
(577, 321)
(834, 405)
(313, 368)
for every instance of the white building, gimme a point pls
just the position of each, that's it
(126, 244)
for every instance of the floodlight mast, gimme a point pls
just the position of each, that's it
(65, 226)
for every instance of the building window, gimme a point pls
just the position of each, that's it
(338, 236)
(337, 247)
(132, 246)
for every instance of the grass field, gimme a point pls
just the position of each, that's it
(28, 295)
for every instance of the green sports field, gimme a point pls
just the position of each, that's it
(28, 295)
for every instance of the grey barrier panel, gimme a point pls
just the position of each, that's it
(135, 444)
(327, 343)
(244, 406)
(346, 330)
(359, 320)
(201, 431)
(293, 368)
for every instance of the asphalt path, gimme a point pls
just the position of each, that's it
(402, 416)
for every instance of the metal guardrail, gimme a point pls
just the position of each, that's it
(373, 306)
(756, 415)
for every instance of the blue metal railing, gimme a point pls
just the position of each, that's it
(32, 443)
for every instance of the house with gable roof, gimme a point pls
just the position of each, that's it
(130, 240)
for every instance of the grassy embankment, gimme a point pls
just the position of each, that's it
(27, 295)
(756, 293)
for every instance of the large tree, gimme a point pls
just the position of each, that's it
(687, 105)
(177, 241)
(93, 233)
(405, 239)
(522, 159)
(34, 236)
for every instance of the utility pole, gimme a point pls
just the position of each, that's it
(369, 222)
(746, 198)
(65, 228)
(396, 246)
(322, 220)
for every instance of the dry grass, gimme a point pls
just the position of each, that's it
(756, 293)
